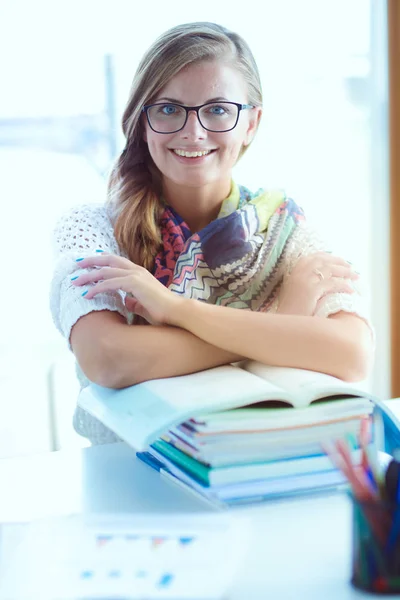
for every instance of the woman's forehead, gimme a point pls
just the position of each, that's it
(204, 81)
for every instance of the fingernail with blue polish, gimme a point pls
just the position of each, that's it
(78, 259)
(84, 293)
(99, 250)
(73, 278)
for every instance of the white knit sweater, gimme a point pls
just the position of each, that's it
(87, 228)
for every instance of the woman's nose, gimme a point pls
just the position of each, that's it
(193, 127)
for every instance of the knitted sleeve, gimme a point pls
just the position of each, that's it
(78, 234)
(305, 241)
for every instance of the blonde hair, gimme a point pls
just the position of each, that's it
(134, 188)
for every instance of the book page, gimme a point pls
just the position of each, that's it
(302, 386)
(141, 413)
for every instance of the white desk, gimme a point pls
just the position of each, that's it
(301, 549)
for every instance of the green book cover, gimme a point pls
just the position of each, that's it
(185, 462)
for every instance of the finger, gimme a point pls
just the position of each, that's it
(99, 275)
(136, 307)
(130, 303)
(339, 271)
(103, 259)
(110, 285)
(325, 258)
(336, 285)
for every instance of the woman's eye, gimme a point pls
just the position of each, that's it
(168, 109)
(217, 110)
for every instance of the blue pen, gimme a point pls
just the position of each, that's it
(371, 479)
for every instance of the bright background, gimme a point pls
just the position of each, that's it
(66, 69)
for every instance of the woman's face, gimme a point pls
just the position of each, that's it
(193, 86)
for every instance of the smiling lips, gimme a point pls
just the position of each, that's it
(186, 154)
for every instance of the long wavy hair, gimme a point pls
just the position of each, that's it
(134, 188)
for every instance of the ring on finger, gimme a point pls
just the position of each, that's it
(319, 274)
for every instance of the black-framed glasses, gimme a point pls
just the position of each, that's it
(218, 117)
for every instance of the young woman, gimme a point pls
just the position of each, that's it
(182, 269)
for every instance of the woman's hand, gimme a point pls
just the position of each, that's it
(313, 277)
(149, 298)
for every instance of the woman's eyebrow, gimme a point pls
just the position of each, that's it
(174, 101)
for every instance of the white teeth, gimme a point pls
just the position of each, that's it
(191, 154)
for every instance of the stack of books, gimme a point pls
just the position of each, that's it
(239, 433)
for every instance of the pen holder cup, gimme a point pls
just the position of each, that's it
(376, 546)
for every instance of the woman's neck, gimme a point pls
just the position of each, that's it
(197, 206)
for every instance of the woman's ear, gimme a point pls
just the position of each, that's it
(254, 120)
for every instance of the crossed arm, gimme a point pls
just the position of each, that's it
(187, 335)
(114, 354)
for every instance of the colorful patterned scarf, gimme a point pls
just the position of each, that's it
(235, 260)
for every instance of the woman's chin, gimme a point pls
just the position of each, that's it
(195, 180)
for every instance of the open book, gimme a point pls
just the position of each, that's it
(140, 414)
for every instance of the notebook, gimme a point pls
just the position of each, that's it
(238, 473)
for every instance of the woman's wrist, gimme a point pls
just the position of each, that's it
(179, 312)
